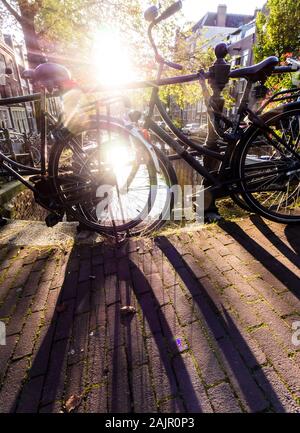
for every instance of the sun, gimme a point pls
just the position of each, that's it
(110, 57)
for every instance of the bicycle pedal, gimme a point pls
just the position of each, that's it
(35, 178)
(52, 219)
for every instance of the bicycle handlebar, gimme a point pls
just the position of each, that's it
(171, 10)
(286, 69)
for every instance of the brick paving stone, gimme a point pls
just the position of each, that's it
(5, 285)
(248, 293)
(118, 382)
(32, 283)
(162, 373)
(6, 353)
(134, 338)
(185, 308)
(85, 270)
(30, 395)
(114, 326)
(17, 320)
(96, 401)
(286, 367)
(69, 286)
(143, 394)
(14, 268)
(49, 270)
(31, 257)
(158, 290)
(172, 330)
(12, 385)
(139, 281)
(65, 321)
(97, 310)
(223, 399)
(276, 391)
(49, 312)
(79, 345)
(54, 407)
(55, 378)
(27, 338)
(82, 301)
(273, 298)
(75, 382)
(174, 405)
(190, 385)
(41, 352)
(22, 276)
(195, 267)
(204, 355)
(150, 316)
(41, 296)
(248, 391)
(9, 304)
(147, 264)
(112, 291)
(123, 269)
(97, 356)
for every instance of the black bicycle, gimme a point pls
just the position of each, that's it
(256, 155)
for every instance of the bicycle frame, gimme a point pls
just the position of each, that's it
(10, 165)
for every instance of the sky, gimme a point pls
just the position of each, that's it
(195, 9)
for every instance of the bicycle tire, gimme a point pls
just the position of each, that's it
(279, 164)
(78, 211)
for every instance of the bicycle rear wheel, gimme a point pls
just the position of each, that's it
(104, 177)
(269, 169)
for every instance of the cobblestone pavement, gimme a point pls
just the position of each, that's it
(211, 329)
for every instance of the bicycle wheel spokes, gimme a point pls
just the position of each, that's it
(106, 181)
(270, 169)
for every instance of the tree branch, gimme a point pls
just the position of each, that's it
(12, 11)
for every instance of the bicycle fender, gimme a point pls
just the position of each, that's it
(136, 133)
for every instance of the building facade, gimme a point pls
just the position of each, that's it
(12, 62)
(215, 27)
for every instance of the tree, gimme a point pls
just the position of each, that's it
(278, 29)
(53, 28)
(278, 33)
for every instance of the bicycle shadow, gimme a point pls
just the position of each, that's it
(226, 336)
(43, 390)
(292, 253)
(271, 263)
(292, 235)
(48, 385)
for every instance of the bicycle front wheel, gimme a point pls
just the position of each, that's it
(269, 169)
(104, 176)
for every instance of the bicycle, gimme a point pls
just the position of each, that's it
(258, 166)
(68, 181)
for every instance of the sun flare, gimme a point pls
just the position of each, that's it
(111, 59)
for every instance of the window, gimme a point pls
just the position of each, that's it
(245, 57)
(2, 70)
(5, 118)
(250, 31)
(238, 61)
(20, 119)
(11, 66)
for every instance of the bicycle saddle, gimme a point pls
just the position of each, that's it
(49, 75)
(258, 72)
